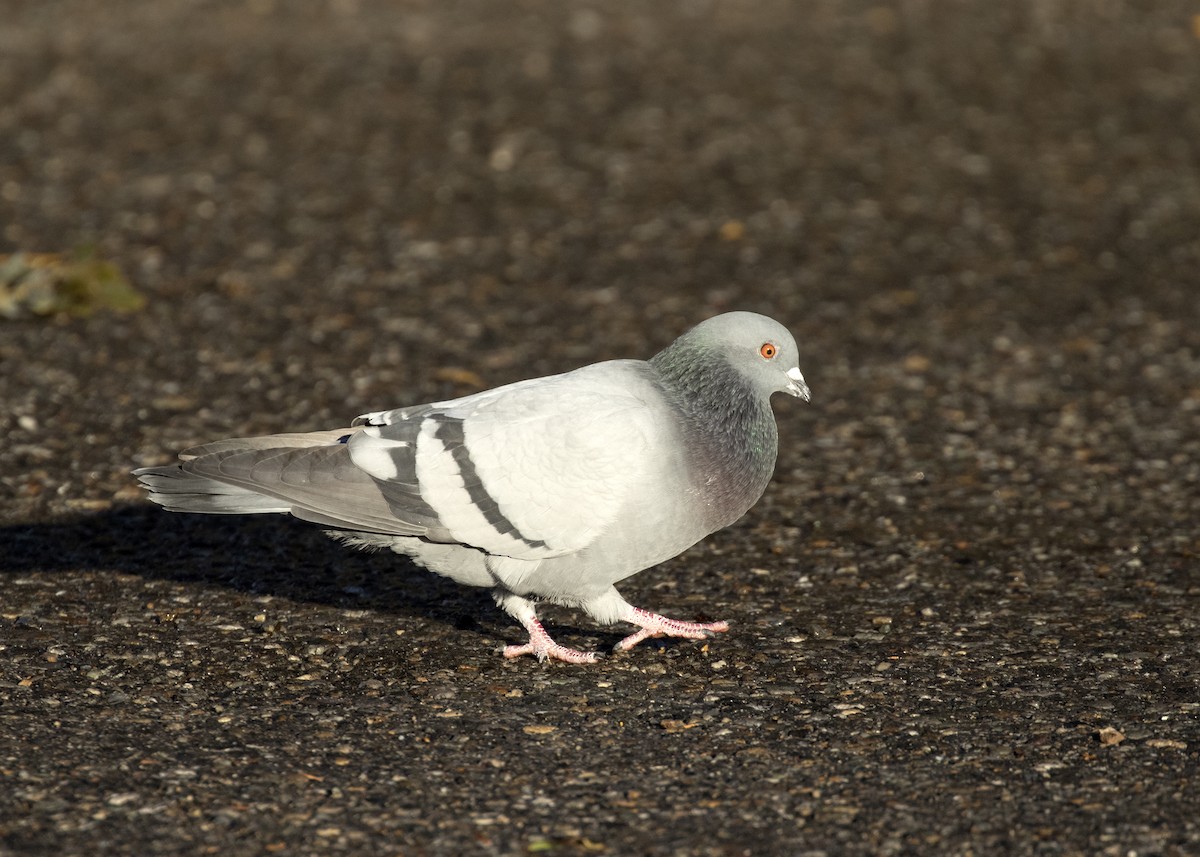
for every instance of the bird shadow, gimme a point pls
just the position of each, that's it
(257, 555)
(265, 555)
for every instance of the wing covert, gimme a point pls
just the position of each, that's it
(532, 470)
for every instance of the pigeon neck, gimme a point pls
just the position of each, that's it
(729, 428)
(706, 384)
(694, 374)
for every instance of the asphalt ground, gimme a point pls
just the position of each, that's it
(964, 616)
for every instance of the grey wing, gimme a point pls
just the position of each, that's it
(533, 470)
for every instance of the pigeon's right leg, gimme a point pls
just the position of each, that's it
(653, 625)
(611, 607)
(540, 644)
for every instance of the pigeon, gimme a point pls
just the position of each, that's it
(550, 489)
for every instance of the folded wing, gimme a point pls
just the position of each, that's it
(535, 469)
(532, 470)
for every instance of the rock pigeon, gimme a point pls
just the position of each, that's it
(550, 489)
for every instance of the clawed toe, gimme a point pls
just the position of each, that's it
(553, 652)
(653, 625)
(542, 646)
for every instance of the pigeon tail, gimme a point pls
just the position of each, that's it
(177, 490)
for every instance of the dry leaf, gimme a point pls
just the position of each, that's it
(42, 284)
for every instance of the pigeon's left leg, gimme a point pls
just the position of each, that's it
(613, 608)
(540, 644)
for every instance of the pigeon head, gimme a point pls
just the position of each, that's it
(759, 348)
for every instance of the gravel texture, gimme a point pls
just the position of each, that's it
(965, 614)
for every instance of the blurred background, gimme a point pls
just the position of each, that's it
(337, 206)
(981, 220)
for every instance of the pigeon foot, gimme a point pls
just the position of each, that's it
(543, 647)
(654, 625)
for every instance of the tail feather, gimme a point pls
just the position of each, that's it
(291, 440)
(309, 475)
(175, 489)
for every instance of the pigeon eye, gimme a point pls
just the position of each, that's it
(767, 350)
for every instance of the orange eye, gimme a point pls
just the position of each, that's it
(767, 350)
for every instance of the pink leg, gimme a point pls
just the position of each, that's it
(653, 625)
(541, 646)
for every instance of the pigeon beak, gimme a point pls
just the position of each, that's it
(796, 385)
